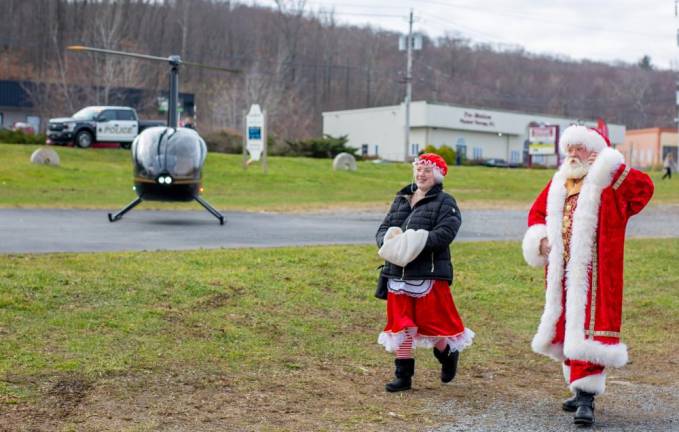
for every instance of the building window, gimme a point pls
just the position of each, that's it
(515, 156)
(364, 149)
(2, 121)
(377, 150)
(414, 149)
(478, 153)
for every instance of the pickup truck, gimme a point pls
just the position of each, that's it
(98, 124)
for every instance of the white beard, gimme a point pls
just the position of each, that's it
(574, 168)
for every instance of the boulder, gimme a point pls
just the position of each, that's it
(345, 162)
(45, 156)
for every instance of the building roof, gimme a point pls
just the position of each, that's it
(650, 131)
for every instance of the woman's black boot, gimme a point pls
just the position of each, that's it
(405, 369)
(448, 362)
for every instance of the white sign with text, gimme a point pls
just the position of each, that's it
(254, 132)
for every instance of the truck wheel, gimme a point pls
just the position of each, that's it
(126, 145)
(83, 139)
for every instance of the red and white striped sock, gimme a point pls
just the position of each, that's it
(405, 350)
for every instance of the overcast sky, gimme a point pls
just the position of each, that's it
(606, 30)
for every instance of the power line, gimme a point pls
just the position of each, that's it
(523, 16)
(530, 17)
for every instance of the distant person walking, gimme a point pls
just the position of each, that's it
(414, 240)
(188, 123)
(577, 231)
(667, 164)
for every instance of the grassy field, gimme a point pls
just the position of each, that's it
(279, 339)
(102, 178)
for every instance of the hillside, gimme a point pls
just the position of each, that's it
(299, 63)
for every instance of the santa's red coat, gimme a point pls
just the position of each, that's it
(611, 193)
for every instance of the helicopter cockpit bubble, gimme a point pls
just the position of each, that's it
(178, 152)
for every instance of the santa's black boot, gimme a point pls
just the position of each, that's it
(584, 414)
(569, 405)
(448, 362)
(405, 369)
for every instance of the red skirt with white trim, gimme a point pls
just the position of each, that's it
(434, 316)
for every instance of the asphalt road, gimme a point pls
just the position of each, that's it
(44, 230)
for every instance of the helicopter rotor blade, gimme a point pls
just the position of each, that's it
(223, 69)
(150, 57)
(120, 53)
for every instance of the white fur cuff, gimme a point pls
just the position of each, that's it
(591, 384)
(531, 245)
(594, 351)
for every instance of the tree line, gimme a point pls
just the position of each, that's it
(297, 64)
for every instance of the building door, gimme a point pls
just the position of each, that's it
(460, 150)
(34, 121)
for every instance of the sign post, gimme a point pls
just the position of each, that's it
(543, 140)
(254, 138)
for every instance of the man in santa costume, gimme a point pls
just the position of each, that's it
(577, 230)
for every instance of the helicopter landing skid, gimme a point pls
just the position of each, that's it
(209, 208)
(119, 215)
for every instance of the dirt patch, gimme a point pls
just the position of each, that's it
(305, 394)
(220, 299)
(66, 394)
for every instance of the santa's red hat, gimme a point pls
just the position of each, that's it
(438, 164)
(592, 139)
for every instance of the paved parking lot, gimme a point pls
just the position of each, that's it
(44, 230)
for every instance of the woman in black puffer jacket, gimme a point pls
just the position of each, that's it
(414, 239)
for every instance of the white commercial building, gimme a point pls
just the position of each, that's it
(474, 132)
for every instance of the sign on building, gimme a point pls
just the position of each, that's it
(542, 140)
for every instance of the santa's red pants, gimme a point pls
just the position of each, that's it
(431, 320)
(579, 374)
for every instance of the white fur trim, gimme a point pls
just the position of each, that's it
(531, 245)
(456, 343)
(401, 249)
(566, 373)
(391, 341)
(591, 384)
(542, 341)
(576, 134)
(585, 222)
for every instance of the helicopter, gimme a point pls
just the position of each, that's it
(168, 160)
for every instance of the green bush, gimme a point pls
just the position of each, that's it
(20, 137)
(325, 147)
(224, 141)
(231, 141)
(447, 153)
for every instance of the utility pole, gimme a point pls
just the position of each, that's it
(661, 156)
(409, 86)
